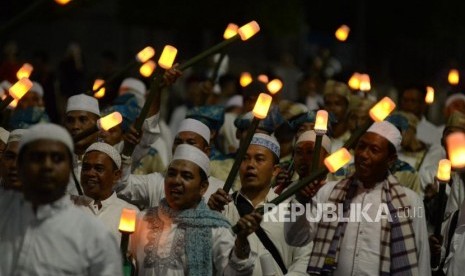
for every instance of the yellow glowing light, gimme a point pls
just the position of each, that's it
(262, 106)
(147, 68)
(321, 121)
(453, 77)
(146, 54)
(365, 84)
(456, 149)
(248, 30)
(230, 31)
(20, 88)
(382, 109)
(337, 159)
(354, 81)
(429, 98)
(25, 71)
(109, 121)
(263, 78)
(444, 168)
(62, 2)
(167, 57)
(245, 79)
(101, 92)
(274, 86)
(342, 33)
(13, 104)
(127, 221)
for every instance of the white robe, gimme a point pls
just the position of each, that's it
(59, 239)
(428, 133)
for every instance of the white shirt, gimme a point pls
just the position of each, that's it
(360, 248)
(428, 133)
(59, 239)
(295, 258)
(169, 263)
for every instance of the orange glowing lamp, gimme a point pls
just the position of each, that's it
(444, 169)
(20, 88)
(342, 33)
(13, 104)
(167, 57)
(147, 68)
(354, 81)
(245, 79)
(146, 54)
(127, 222)
(365, 84)
(262, 106)
(337, 160)
(453, 77)
(382, 109)
(109, 121)
(248, 30)
(230, 31)
(456, 149)
(429, 98)
(25, 71)
(101, 92)
(321, 121)
(274, 86)
(62, 2)
(263, 78)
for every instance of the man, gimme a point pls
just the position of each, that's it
(182, 236)
(101, 169)
(389, 238)
(30, 109)
(41, 232)
(3, 139)
(257, 169)
(8, 162)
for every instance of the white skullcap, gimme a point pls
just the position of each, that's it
(83, 102)
(388, 131)
(108, 150)
(16, 135)
(4, 135)
(5, 84)
(136, 86)
(36, 87)
(266, 141)
(453, 98)
(235, 100)
(310, 136)
(193, 154)
(47, 131)
(196, 126)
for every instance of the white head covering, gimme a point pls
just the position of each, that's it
(47, 131)
(136, 86)
(266, 141)
(310, 136)
(16, 135)
(4, 135)
(196, 126)
(108, 150)
(83, 102)
(193, 154)
(4, 86)
(453, 98)
(235, 100)
(388, 131)
(36, 87)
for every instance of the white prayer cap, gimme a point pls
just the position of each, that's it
(136, 86)
(5, 84)
(453, 98)
(36, 87)
(82, 102)
(193, 154)
(108, 150)
(196, 126)
(310, 136)
(47, 131)
(4, 135)
(266, 141)
(235, 100)
(388, 131)
(16, 135)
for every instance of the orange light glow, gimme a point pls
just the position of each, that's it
(382, 109)
(274, 86)
(337, 159)
(109, 121)
(167, 57)
(444, 168)
(248, 30)
(453, 77)
(230, 31)
(20, 88)
(342, 33)
(354, 81)
(62, 2)
(127, 221)
(13, 104)
(429, 98)
(25, 71)
(262, 106)
(146, 54)
(365, 84)
(147, 68)
(321, 121)
(101, 92)
(456, 149)
(263, 78)
(245, 79)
